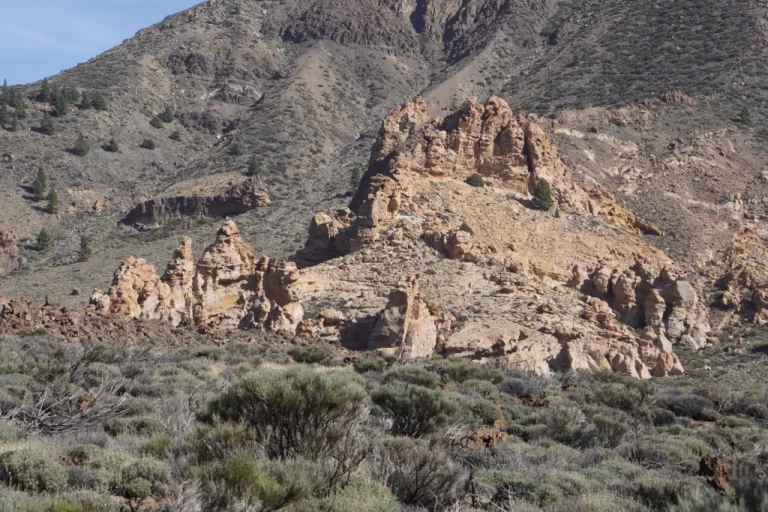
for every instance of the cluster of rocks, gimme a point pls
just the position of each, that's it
(665, 307)
(229, 288)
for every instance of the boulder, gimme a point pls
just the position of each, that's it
(406, 327)
(10, 258)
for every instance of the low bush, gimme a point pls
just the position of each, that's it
(413, 375)
(423, 475)
(475, 180)
(415, 410)
(33, 470)
(311, 355)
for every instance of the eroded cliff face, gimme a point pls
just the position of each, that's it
(229, 288)
(209, 197)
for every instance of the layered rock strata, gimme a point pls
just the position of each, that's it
(223, 197)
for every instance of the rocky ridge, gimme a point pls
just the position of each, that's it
(10, 257)
(221, 196)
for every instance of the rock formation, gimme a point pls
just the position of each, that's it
(230, 288)
(510, 152)
(10, 259)
(221, 196)
(406, 327)
(667, 308)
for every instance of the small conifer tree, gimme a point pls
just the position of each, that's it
(167, 115)
(40, 185)
(542, 195)
(745, 117)
(45, 92)
(176, 136)
(46, 125)
(81, 147)
(85, 249)
(85, 103)
(44, 240)
(5, 93)
(61, 103)
(53, 201)
(99, 102)
(15, 125)
(236, 149)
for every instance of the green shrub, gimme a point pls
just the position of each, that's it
(502, 487)
(413, 375)
(81, 146)
(40, 185)
(111, 146)
(33, 470)
(156, 447)
(475, 180)
(542, 195)
(459, 370)
(465, 227)
(156, 122)
(175, 136)
(53, 201)
(218, 440)
(167, 115)
(236, 149)
(372, 364)
(311, 355)
(361, 494)
(296, 411)
(423, 475)
(689, 406)
(136, 488)
(46, 125)
(254, 169)
(145, 426)
(415, 410)
(148, 144)
(44, 240)
(657, 492)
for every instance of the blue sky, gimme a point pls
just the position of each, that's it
(39, 38)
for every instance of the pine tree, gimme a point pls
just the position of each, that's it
(542, 195)
(61, 103)
(5, 95)
(40, 185)
(86, 101)
(45, 92)
(111, 146)
(46, 125)
(746, 117)
(236, 149)
(53, 201)
(85, 249)
(5, 116)
(44, 240)
(81, 147)
(167, 115)
(99, 102)
(21, 108)
(15, 126)
(15, 98)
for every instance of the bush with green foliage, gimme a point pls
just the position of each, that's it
(111, 146)
(167, 115)
(32, 469)
(175, 136)
(465, 227)
(40, 185)
(148, 144)
(44, 240)
(236, 149)
(85, 249)
(254, 169)
(53, 201)
(156, 122)
(81, 146)
(542, 195)
(298, 412)
(475, 180)
(415, 411)
(99, 102)
(46, 125)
